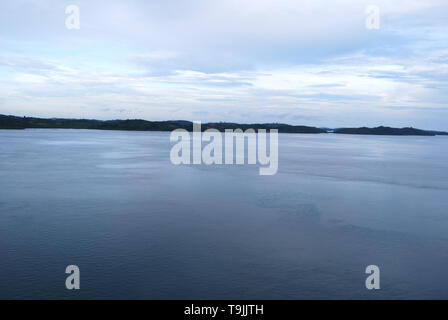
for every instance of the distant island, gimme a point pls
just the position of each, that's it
(14, 122)
(389, 131)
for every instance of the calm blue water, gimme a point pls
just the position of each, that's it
(139, 227)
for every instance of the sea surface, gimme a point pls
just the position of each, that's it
(139, 227)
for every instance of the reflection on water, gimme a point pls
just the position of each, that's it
(112, 203)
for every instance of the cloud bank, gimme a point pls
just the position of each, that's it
(299, 62)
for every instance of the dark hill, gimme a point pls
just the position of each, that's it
(12, 122)
(386, 131)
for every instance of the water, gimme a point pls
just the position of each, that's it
(140, 228)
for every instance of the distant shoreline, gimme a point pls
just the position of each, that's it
(18, 123)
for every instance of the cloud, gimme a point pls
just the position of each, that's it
(307, 62)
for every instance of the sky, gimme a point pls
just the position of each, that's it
(315, 63)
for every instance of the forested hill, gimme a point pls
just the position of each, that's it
(12, 122)
(389, 131)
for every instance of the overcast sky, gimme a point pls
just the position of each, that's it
(290, 61)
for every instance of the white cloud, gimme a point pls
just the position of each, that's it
(310, 62)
